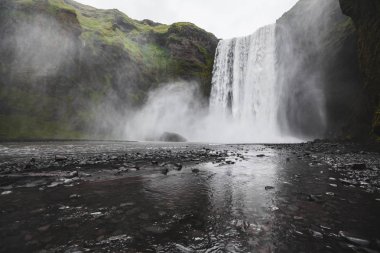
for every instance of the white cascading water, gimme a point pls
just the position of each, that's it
(244, 90)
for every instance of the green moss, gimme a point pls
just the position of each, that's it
(57, 5)
(26, 127)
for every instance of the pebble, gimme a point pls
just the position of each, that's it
(44, 228)
(183, 249)
(60, 158)
(165, 171)
(274, 208)
(72, 174)
(358, 166)
(6, 192)
(357, 241)
(312, 198)
(74, 196)
(316, 234)
(179, 166)
(97, 214)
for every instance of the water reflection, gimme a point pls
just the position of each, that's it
(230, 201)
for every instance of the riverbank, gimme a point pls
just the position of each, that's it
(173, 197)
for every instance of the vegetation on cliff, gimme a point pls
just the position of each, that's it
(61, 62)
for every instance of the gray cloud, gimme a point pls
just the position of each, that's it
(224, 18)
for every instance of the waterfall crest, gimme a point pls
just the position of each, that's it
(244, 90)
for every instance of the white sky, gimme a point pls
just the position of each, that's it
(224, 18)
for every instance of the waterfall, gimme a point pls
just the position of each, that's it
(244, 90)
(244, 101)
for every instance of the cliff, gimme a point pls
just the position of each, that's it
(61, 62)
(318, 61)
(366, 17)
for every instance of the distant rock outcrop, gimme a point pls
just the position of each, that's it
(317, 48)
(366, 17)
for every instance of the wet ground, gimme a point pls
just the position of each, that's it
(146, 197)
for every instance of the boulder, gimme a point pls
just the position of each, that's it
(172, 137)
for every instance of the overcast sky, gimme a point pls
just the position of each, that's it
(224, 18)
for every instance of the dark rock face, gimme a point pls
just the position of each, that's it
(61, 63)
(366, 17)
(317, 61)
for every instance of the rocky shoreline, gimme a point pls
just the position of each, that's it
(152, 198)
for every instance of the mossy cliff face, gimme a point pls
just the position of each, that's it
(366, 17)
(59, 60)
(317, 49)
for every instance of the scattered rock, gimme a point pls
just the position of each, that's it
(74, 196)
(60, 158)
(316, 234)
(354, 240)
(274, 208)
(179, 166)
(54, 184)
(72, 174)
(6, 192)
(358, 166)
(165, 171)
(44, 228)
(195, 170)
(97, 214)
(155, 229)
(183, 249)
(313, 198)
(262, 155)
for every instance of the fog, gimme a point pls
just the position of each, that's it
(301, 74)
(177, 108)
(41, 48)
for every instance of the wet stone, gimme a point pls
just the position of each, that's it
(267, 188)
(358, 166)
(165, 171)
(354, 240)
(316, 234)
(60, 158)
(179, 166)
(72, 174)
(6, 192)
(74, 196)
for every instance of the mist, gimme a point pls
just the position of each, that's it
(178, 108)
(314, 93)
(42, 47)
